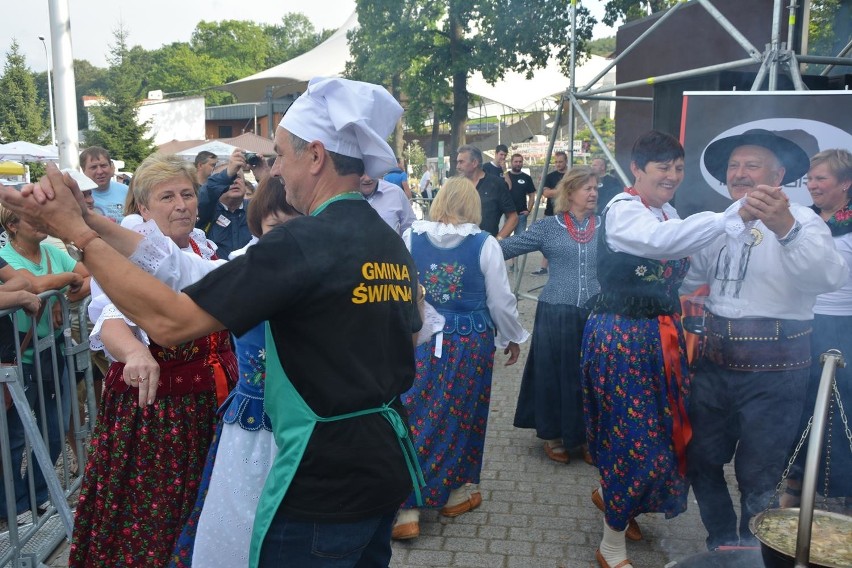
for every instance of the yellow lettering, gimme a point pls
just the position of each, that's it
(374, 293)
(406, 293)
(395, 291)
(359, 294)
(381, 271)
(367, 271)
(404, 275)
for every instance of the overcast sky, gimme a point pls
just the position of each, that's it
(152, 23)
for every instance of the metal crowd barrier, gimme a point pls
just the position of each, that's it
(421, 206)
(32, 536)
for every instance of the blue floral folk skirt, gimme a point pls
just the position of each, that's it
(628, 416)
(448, 413)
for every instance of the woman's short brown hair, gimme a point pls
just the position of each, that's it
(269, 197)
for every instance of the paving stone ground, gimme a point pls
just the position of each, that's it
(536, 513)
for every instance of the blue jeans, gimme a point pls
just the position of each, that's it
(522, 224)
(360, 544)
(752, 418)
(17, 441)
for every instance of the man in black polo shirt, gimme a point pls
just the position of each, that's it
(551, 180)
(493, 192)
(338, 290)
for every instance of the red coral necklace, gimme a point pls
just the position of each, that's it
(582, 236)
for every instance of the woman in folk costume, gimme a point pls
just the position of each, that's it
(635, 378)
(462, 271)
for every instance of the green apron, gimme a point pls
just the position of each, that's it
(293, 424)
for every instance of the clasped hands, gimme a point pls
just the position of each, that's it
(770, 205)
(53, 204)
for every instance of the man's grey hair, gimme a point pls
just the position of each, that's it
(343, 165)
(472, 151)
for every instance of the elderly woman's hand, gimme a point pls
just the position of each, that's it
(142, 371)
(513, 351)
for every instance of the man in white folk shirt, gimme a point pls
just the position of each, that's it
(748, 388)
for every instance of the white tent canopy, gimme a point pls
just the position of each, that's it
(28, 152)
(221, 149)
(328, 59)
(517, 92)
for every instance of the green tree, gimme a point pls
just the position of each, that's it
(20, 115)
(603, 47)
(117, 127)
(426, 49)
(89, 80)
(606, 128)
(294, 36)
(178, 70)
(241, 47)
(629, 10)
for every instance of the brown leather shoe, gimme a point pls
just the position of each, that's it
(557, 453)
(587, 456)
(603, 563)
(633, 530)
(406, 531)
(474, 501)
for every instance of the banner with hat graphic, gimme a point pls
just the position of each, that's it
(795, 125)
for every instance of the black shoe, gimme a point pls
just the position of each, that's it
(540, 272)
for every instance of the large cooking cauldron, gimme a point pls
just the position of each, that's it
(831, 531)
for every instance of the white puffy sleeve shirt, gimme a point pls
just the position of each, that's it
(160, 256)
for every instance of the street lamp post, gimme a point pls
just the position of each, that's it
(49, 92)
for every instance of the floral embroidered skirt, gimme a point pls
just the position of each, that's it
(629, 419)
(448, 413)
(551, 398)
(142, 477)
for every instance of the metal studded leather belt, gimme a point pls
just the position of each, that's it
(758, 344)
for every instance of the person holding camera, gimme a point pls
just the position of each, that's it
(222, 204)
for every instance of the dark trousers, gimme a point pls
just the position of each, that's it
(360, 544)
(753, 418)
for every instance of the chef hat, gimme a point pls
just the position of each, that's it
(349, 117)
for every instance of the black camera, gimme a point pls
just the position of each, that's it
(253, 159)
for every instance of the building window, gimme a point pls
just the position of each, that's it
(225, 132)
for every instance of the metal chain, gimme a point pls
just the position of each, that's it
(784, 475)
(829, 426)
(843, 415)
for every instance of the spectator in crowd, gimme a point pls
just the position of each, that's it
(222, 207)
(151, 414)
(608, 186)
(389, 201)
(338, 480)
(399, 176)
(551, 180)
(551, 398)
(830, 185)
(493, 193)
(218, 531)
(748, 389)
(461, 268)
(426, 183)
(497, 166)
(46, 268)
(110, 194)
(635, 376)
(522, 188)
(205, 163)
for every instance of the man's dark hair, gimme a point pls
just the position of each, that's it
(561, 153)
(655, 146)
(203, 156)
(502, 148)
(472, 151)
(516, 155)
(93, 153)
(343, 165)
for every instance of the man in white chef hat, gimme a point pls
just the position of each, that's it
(338, 290)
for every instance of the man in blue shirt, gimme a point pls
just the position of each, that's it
(109, 195)
(398, 176)
(222, 207)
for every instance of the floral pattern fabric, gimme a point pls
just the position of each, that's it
(145, 464)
